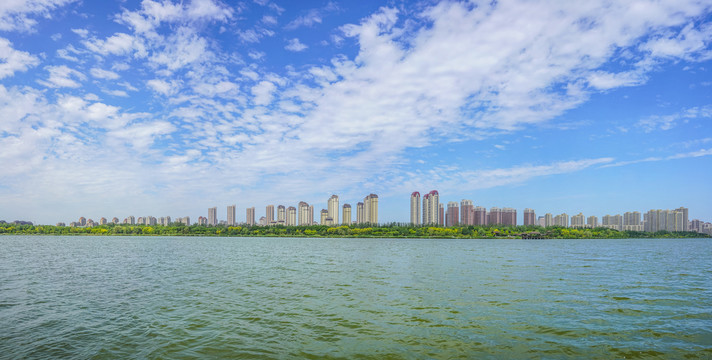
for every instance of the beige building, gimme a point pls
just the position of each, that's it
(415, 217)
(269, 214)
(346, 216)
(359, 213)
(291, 216)
(281, 214)
(333, 208)
(250, 213)
(213, 216)
(370, 209)
(431, 208)
(231, 217)
(578, 221)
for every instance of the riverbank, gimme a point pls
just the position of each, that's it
(346, 231)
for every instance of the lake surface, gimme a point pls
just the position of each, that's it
(277, 298)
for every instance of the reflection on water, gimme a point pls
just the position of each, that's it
(162, 297)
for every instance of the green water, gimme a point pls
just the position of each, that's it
(278, 298)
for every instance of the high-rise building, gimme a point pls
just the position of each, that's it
(202, 220)
(509, 216)
(304, 211)
(495, 216)
(480, 216)
(631, 221)
(115, 220)
(359, 213)
(548, 220)
(333, 208)
(231, 215)
(529, 217)
(291, 216)
(452, 216)
(614, 222)
(578, 221)
(441, 214)
(431, 208)
(269, 214)
(212, 216)
(685, 218)
(592, 221)
(467, 212)
(370, 209)
(324, 216)
(561, 220)
(541, 221)
(281, 215)
(250, 214)
(346, 216)
(415, 218)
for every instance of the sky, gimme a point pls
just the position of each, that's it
(166, 108)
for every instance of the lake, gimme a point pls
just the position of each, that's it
(281, 298)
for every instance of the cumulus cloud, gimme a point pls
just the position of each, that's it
(103, 74)
(19, 15)
(295, 45)
(63, 76)
(12, 61)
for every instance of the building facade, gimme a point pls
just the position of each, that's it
(415, 216)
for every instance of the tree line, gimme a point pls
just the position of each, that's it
(392, 230)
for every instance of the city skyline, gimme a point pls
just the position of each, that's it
(174, 107)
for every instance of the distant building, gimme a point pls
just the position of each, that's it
(291, 216)
(592, 221)
(103, 221)
(548, 220)
(431, 208)
(561, 220)
(467, 212)
(360, 219)
(415, 218)
(306, 214)
(578, 221)
(333, 208)
(495, 216)
(202, 220)
(509, 216)
(529, 217)
(346, 216)
(324, 215)
(281, 214)
(480, 216)
(250, 216)
(213, 216)
(231, 212)
(452, 216)
(685, 217)
(269, 214)
(115, 220)
(441, 214)
(370, 209)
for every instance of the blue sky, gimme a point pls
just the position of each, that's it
(118, 108)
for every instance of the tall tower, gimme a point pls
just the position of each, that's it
(431, 208)
(213, 216)
(269, 214)
(453, 214)
(415, 208)
(333, 208)
(685, 218)
(324, 216)
(303, 213)
(291, 216)
(250, 213)
(346, 218)
(529, 217)
(281, 215)
(467, 212)
(509, 216)
(231, 215)
(370, 209)
(359, 213)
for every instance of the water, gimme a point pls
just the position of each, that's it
(269, 298)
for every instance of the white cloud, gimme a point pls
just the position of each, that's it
(295, 45)
(62, 76)
(312, 17)
(12, 61)
(118, 44)
(263, 92)
(83, 33)
(667, 122)
(163, 87)
(692, 154)
(17, 14)
(103, 74)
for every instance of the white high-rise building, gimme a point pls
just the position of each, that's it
(304, 211)
(360, 219)
(250, 216)
(578, 221)
(269, 214)
(291, 216)
(333, 208)
(213, 216)
(370, 209)
(415, 218)
(346, 216)
(231, 215)
(281, 215)
(431, 208)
